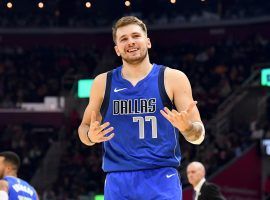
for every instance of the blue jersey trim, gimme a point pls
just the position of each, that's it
(105, 103)
(167, 103)
(164, 96)
(176, 144)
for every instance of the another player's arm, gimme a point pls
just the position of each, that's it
(90, 131)
(37, 196)
(187, 117)
(4, 190)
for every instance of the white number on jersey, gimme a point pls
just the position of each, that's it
(141, 121)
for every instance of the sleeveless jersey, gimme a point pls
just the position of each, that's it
(20, 189)
(143, 139)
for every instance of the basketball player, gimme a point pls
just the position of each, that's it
(135, 110)
(12, 187)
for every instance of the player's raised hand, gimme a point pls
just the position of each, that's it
(180, 120)
(98, 133)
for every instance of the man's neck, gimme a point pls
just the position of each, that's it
(14, 174)
(135, 73)
(197, 188)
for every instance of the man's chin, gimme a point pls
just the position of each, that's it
(134, 60)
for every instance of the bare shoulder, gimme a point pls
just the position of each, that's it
(174, 77)
(101, 78)
(4, 185)
(96, 98)
(176, 82)
(99, 85)
(174, 74)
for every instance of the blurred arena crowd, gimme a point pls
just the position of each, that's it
(59, 13)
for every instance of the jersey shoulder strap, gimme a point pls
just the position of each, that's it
(161, 84)
(105, 103)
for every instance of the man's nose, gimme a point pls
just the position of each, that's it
(131, 41)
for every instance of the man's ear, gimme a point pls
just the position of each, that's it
(149, 45)
(116, 50)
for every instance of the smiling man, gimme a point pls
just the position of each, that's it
(136, 111)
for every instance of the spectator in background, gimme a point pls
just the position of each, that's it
(257, 131)
(203, 189)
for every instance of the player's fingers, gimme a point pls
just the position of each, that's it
(172, 116)
(175, 112)
(183, 116)
(183, 113)
(191, 106)
(167, 110)
(93, 126)
(104, 139)
(164, 114)
(169, 113)
(103, 126)
(105, 132)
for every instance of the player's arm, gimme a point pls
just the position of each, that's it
(37, 195)
(187, 117)
(90, 130)
(4, 190)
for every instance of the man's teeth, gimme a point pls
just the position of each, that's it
(131, 50)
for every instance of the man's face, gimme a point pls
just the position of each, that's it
(132, 44)
(194, 174)
(2, 167)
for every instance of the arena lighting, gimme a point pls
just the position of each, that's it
(266, 146)
(88, 4)
(99, 197)
(41, 5)
(9, 5)
(127, 3)
(84, 87)
(265, 77)
(173, 1)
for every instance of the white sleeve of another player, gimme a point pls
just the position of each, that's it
(3, 195)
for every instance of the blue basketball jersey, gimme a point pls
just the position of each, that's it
(20, 189)
(143, 139)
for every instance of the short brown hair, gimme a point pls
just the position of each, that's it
(127, 20)
(11, 158)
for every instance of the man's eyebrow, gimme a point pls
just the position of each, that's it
(122, 36)
(133, 33)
